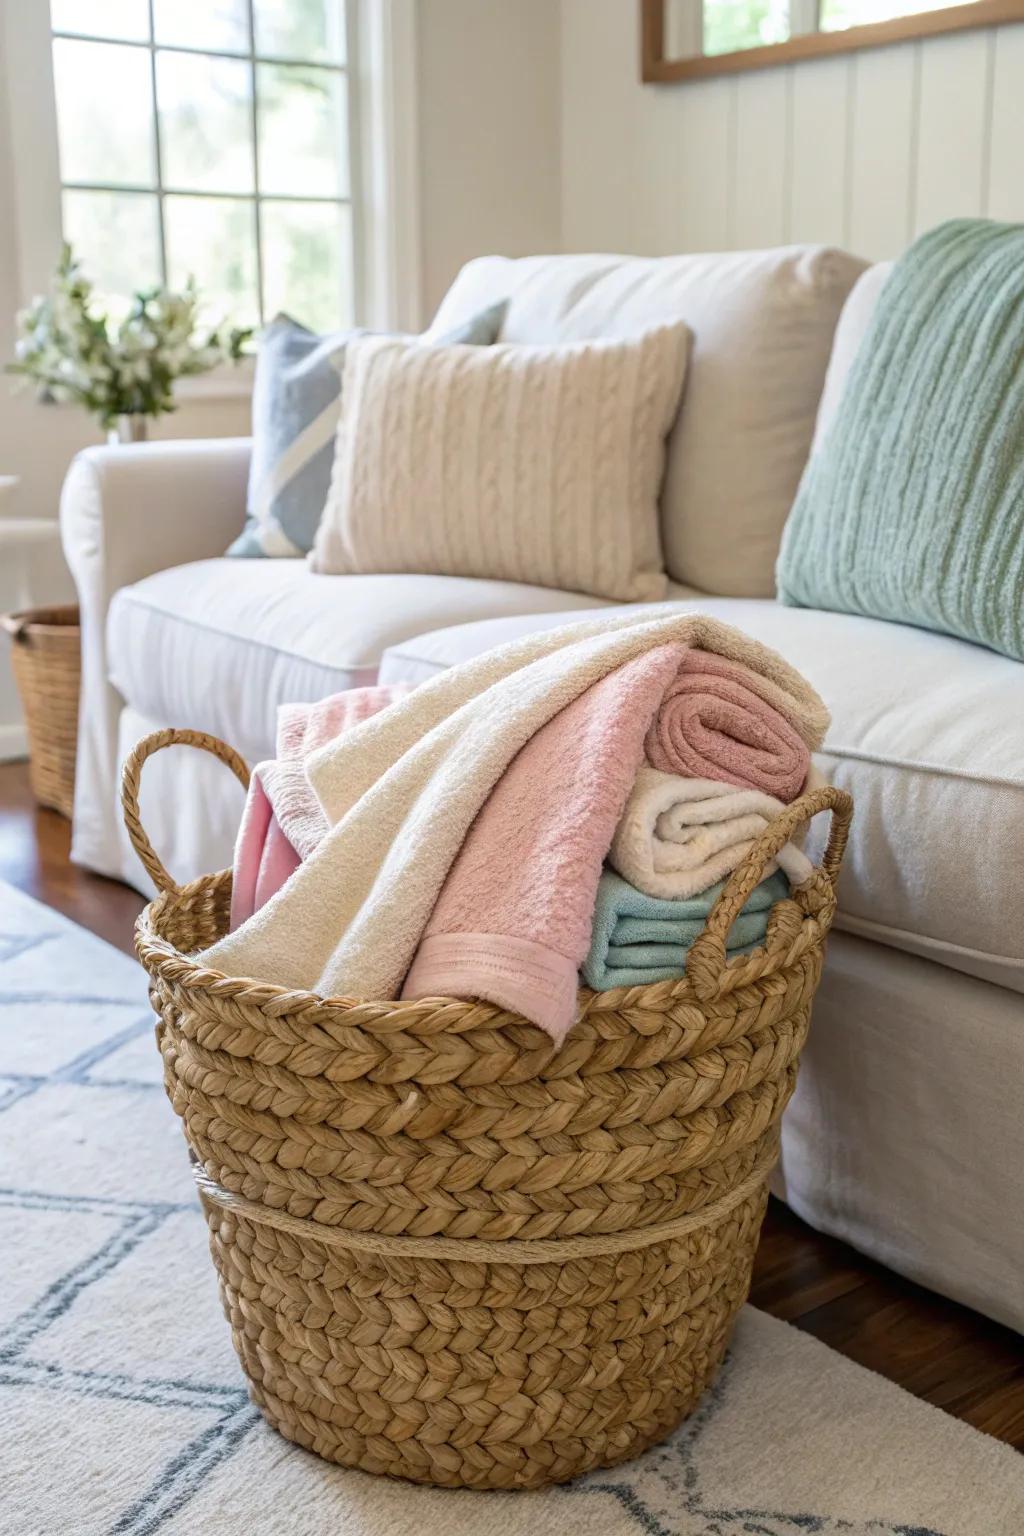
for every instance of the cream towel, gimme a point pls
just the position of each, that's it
(401, 792)
(677, 836)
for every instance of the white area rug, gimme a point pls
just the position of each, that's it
(124, 1413)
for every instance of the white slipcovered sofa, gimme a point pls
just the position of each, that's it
(905, 1136)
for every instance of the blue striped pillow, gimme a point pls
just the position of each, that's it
(296, 402)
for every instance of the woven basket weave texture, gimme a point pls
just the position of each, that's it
(46, 660)
(450, 1251)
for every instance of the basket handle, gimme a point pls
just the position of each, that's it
(707, 967)
(16, 625)
(132, 772)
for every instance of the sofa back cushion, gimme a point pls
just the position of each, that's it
(539, 464)
(850, 332)
(762, 324)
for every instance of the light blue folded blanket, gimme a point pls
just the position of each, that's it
(638, 939)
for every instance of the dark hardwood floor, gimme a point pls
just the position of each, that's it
(34, 849)
(941, 1352)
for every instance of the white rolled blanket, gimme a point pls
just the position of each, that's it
(677, 836)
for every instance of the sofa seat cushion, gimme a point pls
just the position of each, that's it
(927, 735)
(218, 645)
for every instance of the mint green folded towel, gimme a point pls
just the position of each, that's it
(911, 509)
(638, 939)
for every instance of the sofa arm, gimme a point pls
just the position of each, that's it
(126, 512)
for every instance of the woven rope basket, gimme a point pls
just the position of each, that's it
(450, 1251)
(46, 659)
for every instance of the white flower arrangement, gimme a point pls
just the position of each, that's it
(75, 352)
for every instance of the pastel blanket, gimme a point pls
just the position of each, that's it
(513, 921)
(282, 821)
(677, 836)
(639, 939)
(718, 721)
(401, 791)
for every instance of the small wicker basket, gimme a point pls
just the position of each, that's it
(450, 1251)
(46, 657)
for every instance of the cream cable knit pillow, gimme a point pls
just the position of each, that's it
(537, 464)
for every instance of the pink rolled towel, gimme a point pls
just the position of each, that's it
(283, 821)
(714, 723)
(513, 920)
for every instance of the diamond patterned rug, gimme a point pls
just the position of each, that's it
(123, 1411)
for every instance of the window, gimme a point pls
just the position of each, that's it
(733, 24)
(692, 39)
(209, 138)
(837, 15)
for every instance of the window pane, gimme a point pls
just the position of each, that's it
(837, 15)
(301, 29)
(214, 240)
(202, 24)
(104, 113)
(733, 24)
(127, 20)
(307, 263)
(205, 123)
(303, 131)
(117, 237)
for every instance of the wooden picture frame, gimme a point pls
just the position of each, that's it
(656, 69)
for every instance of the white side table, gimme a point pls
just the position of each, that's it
(32, 575)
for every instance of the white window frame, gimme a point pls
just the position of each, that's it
(382, 74)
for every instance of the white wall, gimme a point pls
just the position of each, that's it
(863, 150)
(488, 86)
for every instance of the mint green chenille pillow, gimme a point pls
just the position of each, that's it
(913, 506)
(295, 409)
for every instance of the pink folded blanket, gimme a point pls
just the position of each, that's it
(512, 923)
(716, 723)
(283, 821)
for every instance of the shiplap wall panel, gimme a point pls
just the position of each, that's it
(931, 129)
(882, 164)
(660, 134)
(706, 124)
(1006, 158)
(598, 139)
(819, 148)
(952, 129)
(760, 156)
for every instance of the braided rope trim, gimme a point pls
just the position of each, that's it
(481, 1250)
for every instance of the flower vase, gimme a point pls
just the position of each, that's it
(128, 429)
